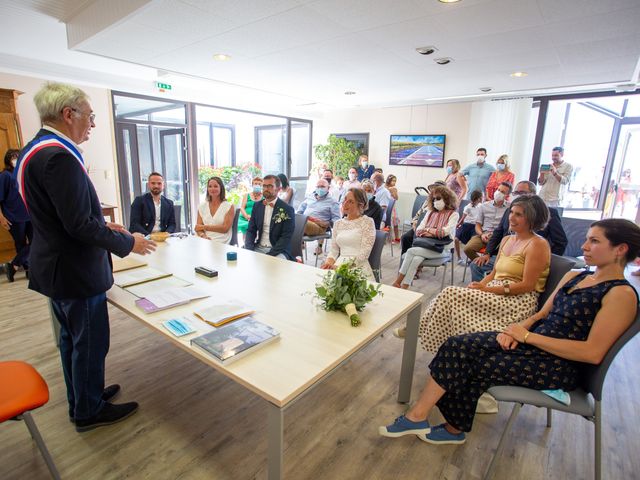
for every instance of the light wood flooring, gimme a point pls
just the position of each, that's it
(193, 423)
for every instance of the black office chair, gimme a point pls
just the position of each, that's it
(421, 195)
(298, 233)
(576, 230)
(177, 211)
(558, 267)
(586, 400)
(388, 228)
(375, 257)
(234, 228)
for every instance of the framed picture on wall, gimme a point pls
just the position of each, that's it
(360, 140)
(417, 150)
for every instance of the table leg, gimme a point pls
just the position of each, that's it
(409, 355)
(275, 429)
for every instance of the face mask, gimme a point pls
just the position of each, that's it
(369, 196)
(449, 170)
(365, 165)
(480, 159)
(321, 192)
(352, 176)
(500, 166)
(257, 189)
(498, 196)
(438, 204)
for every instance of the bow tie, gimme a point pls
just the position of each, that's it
(265, 203)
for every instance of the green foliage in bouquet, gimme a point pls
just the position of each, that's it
(346, 289)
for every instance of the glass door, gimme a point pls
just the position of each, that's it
(174, 166)
(623, 194)
(129, 166)
(270, 149)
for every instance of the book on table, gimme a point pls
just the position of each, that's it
(235, 340)
(138, 275)
(169, 298)
(126, 263)
(143, 290)
(221, 313)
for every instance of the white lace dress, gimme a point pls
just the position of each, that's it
(353, 240)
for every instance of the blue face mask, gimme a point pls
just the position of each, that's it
(321, 192)
(449, 170)
(257, 189)
(369, 196)
(500, 166)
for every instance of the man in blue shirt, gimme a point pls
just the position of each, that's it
(478, 173)
(321, 209)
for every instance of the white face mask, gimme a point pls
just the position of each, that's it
(480, 159)
(498, 196)
(352, 176)
(438, 204)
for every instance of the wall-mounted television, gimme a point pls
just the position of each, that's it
(417, 150)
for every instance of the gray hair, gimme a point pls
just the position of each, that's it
(53, 97)
(368, 183)
(534, 209)
(531, 186)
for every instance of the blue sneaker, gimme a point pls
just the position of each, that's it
(403, 426)
(440, 436)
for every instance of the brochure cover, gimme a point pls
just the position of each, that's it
(236, 339)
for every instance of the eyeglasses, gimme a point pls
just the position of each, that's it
(92, 116)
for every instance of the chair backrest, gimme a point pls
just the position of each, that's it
(558, 267)
(417, 203)
(293, 195)
(388, 214)
(298, 233)
(177, 210)
(593, 375)
(576, 231)
(376, 254)
(234, 228)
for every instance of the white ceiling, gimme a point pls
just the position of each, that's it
(312, 51)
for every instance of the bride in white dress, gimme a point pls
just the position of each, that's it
(353, 236)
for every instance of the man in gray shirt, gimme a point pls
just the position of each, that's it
(553, 179)
(488, 220)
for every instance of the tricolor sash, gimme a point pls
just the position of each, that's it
(45, 141)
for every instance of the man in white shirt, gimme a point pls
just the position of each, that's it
(272, 223)
(381, 194)
(553, 177)
(489, 218)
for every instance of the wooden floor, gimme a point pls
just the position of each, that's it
(195, 424)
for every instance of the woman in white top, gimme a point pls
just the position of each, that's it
(353, 180)
(439, 222)
(215, 215)
(353, 236)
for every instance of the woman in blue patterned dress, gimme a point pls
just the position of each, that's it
(579, 323)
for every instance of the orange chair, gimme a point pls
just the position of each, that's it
(23, 389)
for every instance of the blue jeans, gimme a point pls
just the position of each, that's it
(478, 273)
(84, 343)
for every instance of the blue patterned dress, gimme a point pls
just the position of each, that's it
(467, 365)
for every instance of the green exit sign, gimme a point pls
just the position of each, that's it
(163, 87)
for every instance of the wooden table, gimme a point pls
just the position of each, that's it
(313, 342)
(109, 211)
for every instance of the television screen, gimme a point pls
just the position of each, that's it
(417, 150)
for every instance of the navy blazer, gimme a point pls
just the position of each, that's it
(280, 233)
(143, 215)
(69, 256)
(364, 174)
(553, 233)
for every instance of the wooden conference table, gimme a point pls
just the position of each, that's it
(313, 342)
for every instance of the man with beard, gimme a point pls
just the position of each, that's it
(153, 212)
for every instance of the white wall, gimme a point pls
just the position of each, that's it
(98, 151)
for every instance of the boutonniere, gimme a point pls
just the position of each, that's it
(281, 216)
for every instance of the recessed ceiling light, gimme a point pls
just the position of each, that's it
(221, 57)
(449, 1)
(485, 89)
(426, 50)
(349, 92)
(519, 74)
(443, 60)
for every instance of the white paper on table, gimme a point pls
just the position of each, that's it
(143, 290)
(175, 296)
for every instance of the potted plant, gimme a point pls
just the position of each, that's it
(339, 155)
(346, 289)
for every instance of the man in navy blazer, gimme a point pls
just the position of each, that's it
(553, 233)
(272, 222)
(145, 208)
(70, 253)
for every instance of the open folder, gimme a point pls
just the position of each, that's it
(221, 313)
(138, 275)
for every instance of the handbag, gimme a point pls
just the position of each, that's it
(435, 244)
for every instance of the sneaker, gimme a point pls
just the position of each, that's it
(439, 435)
(109, 415)
(108, 394)
(403, 426)
(400, 332)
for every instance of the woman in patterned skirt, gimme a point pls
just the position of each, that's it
(508, 294)
(579, 323)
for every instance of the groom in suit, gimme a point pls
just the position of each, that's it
(153, 212)
(272, 222)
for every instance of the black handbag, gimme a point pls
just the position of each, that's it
(435, 244)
